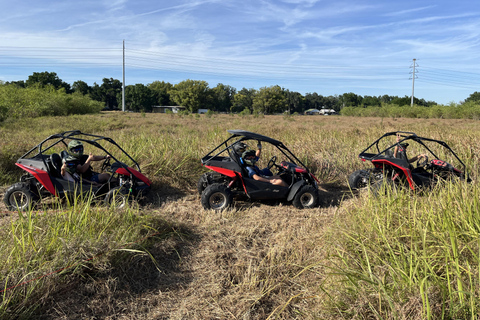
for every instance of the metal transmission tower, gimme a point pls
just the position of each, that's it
(414, 64)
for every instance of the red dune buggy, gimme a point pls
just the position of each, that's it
(392, 165)
(43, 179)
(229, 178)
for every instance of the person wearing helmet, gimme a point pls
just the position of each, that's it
(249, 158)
(239, 148)
(400, 151)
(77, 164)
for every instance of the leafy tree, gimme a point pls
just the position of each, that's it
(243, 100)
(474, 97)
(20, 83)
(295, 101)
(313, 101)
(407, 101)
(223, 97)
(269, 100)
(386, 98)
(161, 91)
(107, 92)
(139, 98)
(192, 94)
(47, 78)
(332, 102)
(369, 101)
(351, 99)
(81, 87)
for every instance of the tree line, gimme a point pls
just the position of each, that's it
(196, 94)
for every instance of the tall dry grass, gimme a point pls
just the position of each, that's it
(401, 256)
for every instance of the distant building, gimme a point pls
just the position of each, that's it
(163, 109)
(327, 112)
(202, 111)
(312, 111)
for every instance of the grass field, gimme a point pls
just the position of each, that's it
(402, 256)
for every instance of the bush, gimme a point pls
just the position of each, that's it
(16, 102)
(468, 110)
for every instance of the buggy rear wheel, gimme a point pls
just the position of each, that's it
(307, 197)
(207, 179)
(359, 179)
(217, 197)
(19, 197)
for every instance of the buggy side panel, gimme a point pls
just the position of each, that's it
(42, 177)
(263, 190)
(37, 162)
(227, 172)
(399, 164)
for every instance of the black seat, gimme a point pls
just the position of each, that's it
(56, 162)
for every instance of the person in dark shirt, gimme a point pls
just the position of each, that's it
(78, 164)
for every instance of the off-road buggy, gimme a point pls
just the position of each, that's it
(42, 178)
(397, 170)
(229, 178)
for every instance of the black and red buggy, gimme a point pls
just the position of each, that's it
(228, 178)
(42, 175)
(397, 170)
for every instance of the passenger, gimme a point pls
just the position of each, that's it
(249, 158)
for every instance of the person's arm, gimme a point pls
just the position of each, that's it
(395, 151)
(63, 169)
(259, 150)
(83, 168)
(423, 155)
(99, 158)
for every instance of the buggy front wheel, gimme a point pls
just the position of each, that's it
(307, 197)
(118, 198)
(217, 197)
(19, 197)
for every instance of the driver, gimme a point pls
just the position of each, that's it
(249, 158)
(75, 162)
(400, 151)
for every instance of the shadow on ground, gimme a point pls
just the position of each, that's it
(152, 265)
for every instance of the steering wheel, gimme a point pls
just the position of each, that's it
(272, 163)
(105, 164)
(422, 162)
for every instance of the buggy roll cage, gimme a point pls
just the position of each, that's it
(80, 136)
(247, 135)
(406, 136)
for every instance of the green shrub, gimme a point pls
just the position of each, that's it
(31, 102)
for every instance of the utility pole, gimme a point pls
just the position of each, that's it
(123, 82)
(413, 80)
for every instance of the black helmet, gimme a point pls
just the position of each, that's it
(75, 149)
(240, 148)
(249, 157)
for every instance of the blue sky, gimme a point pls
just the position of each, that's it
(330, 47)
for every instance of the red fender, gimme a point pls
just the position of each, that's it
(42, 177)
(137, 174)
